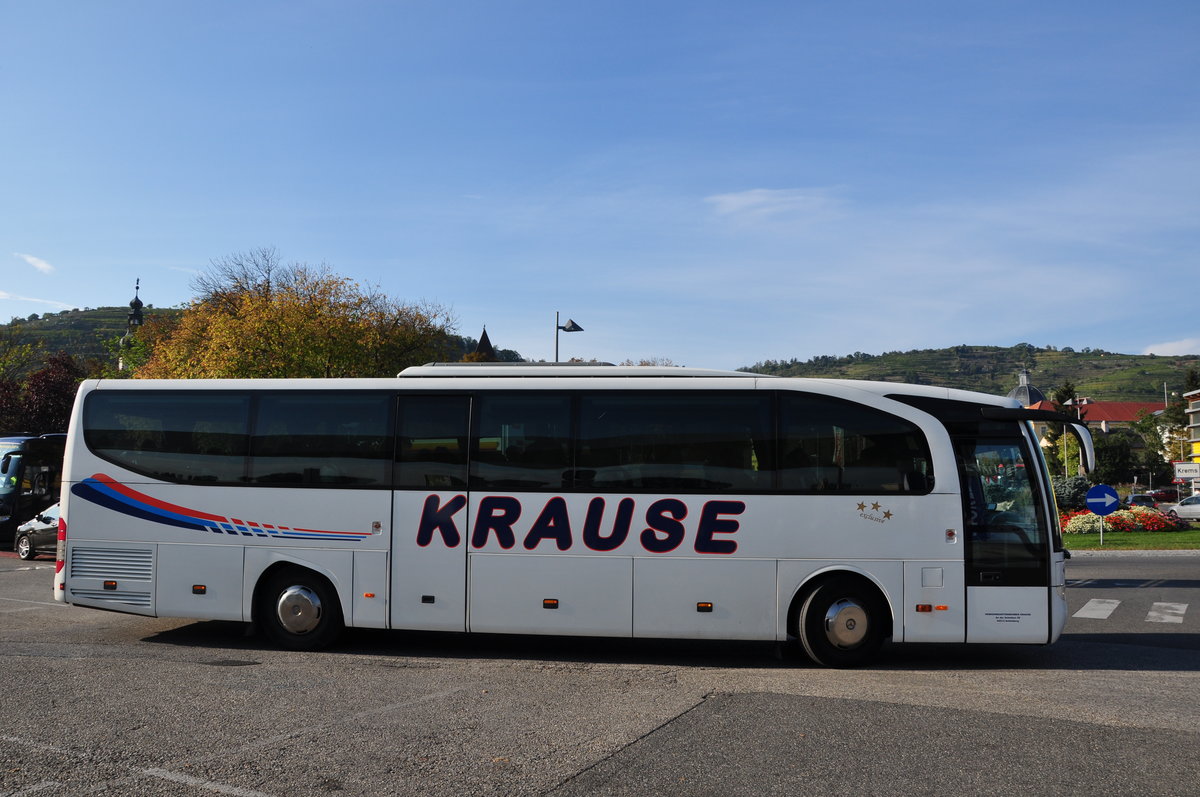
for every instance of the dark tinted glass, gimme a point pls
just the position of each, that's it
(828, 444)
(1006, 534)
(716, 443)
(322, 438)
(180, 437)
(432, 450)
(523, 442)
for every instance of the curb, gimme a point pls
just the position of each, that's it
(1100, 554)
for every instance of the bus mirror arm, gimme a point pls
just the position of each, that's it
(1070, 422)
(1085, 445)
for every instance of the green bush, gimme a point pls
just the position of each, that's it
(1071, 492)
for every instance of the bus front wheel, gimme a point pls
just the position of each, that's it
(842, 622)
(299, 610)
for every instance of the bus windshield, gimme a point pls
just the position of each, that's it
(10, 473)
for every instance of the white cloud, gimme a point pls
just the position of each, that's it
(1173, 348)
(773, 203)
(52, 302)
(36, 262)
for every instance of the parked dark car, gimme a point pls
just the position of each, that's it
(38, 536)
(1141, 499)
(1165, 494)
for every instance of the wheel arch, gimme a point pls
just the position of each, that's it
(827, 573)
(260, 573)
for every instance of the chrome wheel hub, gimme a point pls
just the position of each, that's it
(846, 623)
(298, 610)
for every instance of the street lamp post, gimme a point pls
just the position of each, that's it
(570, 326)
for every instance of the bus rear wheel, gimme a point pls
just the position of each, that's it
(842, 622)
(299, 610)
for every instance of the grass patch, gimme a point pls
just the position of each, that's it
(1135, 541)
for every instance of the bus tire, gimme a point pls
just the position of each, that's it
(842, 622)
(24, 547)
(299, 610)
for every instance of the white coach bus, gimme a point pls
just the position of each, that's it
(574, 500)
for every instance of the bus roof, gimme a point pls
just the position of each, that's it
(575, 375)
(563, 369)
(601, 369)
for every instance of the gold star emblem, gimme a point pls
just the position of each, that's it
(861, 506)
(887, 515)
(874, 506)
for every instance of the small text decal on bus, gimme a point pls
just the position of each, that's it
(874, 514)
(665, 529)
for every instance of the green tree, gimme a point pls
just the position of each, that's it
(1151, 468)
(1166, 433)
(1114, 459)
(257, 318)
(17, 356)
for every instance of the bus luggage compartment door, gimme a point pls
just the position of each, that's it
(200, 581)
(552, 594)
(704, 599)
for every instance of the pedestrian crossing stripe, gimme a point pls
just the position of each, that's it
(1166, 613)
(1162, 612)
(1097, 609)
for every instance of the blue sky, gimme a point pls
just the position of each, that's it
(715, 183)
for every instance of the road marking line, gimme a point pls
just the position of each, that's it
(45, 784)
(39, 603)
(1166, 613)
(199, 783)
(153, 772)
(1097, 609)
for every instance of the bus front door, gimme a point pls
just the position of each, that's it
(1008, 547)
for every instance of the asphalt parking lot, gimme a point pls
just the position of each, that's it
(109, 703)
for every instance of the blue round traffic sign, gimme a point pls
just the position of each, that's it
(1103, 500)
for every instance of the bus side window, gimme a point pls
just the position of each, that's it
(687, 441)
(322, 438)
(184, 437)
(432, 449)
(522, 442)
(833, 445)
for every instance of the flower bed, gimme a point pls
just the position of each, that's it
(1138, 518)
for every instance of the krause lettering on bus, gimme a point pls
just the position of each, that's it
(600, 529)
(107, 492)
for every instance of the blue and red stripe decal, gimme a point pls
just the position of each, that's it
(107, 492)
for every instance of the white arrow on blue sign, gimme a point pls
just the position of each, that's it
(1102, 500)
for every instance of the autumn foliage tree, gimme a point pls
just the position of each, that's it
(255, 317)
(49, 393)
(42, 401)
